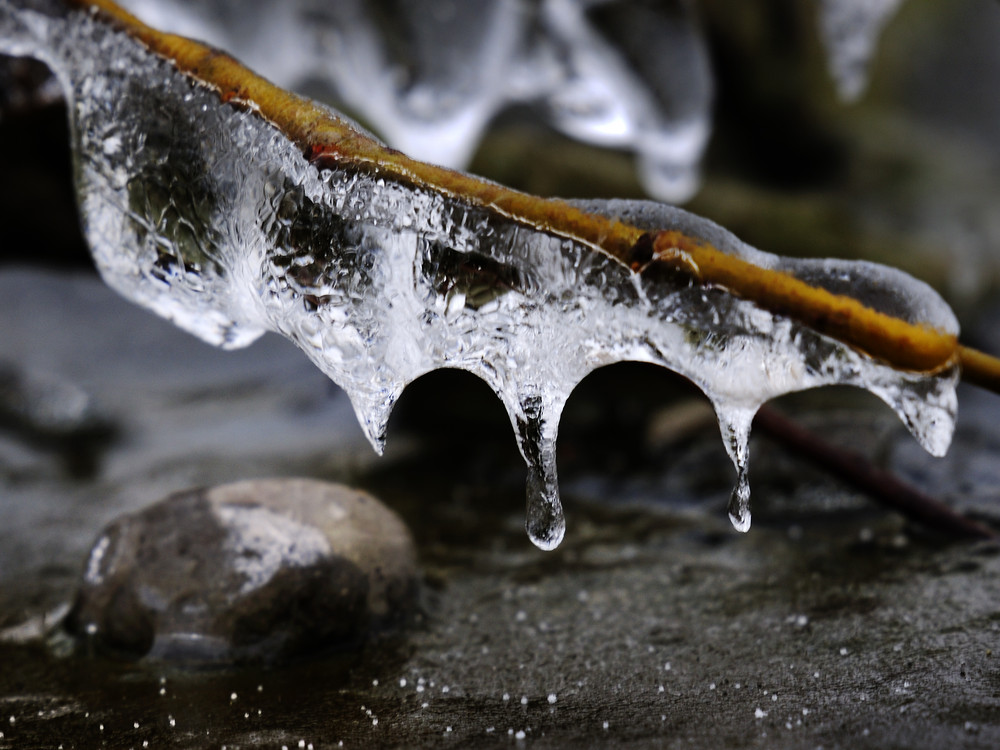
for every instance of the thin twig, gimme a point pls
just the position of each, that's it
(979, 368)
(883, 486)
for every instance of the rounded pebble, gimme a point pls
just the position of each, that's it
(253, 571)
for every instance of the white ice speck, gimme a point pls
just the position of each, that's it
(93, 575)
(760, 713)
(552, 698)
(112, 144)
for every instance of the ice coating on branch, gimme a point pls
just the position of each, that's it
(430, 75)
(850, 30)
(207, 214)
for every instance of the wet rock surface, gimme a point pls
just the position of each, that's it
(261, 570)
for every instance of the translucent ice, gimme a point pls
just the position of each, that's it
(631, 75)
(850, 30)
(210, 215)
(430, 75)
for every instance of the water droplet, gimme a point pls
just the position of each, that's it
(735, 426)
(545, 523)
(536, 430)
(739, 502)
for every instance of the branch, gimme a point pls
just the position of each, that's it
(979, 368)
(882, 485)
(325, 139)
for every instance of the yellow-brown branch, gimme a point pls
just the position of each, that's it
(324, 137)
(902, 344)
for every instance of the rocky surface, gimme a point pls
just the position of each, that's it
(260, 570)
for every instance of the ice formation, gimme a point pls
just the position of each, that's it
(429, 75)
(208, 214)
(850, 30)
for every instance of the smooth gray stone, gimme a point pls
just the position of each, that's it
(256, 570)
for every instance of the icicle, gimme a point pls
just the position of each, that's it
(735, 426)
(536, 426)
(373, 412)
(612, 92)
(850, 31)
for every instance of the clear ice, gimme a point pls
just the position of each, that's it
(209, 215)
(430, 75)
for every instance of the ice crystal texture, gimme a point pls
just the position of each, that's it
(850, 30)
(207, 214)
(430, 75)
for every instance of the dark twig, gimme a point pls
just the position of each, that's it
(883, 486)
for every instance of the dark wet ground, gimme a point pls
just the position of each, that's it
(832, 623)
